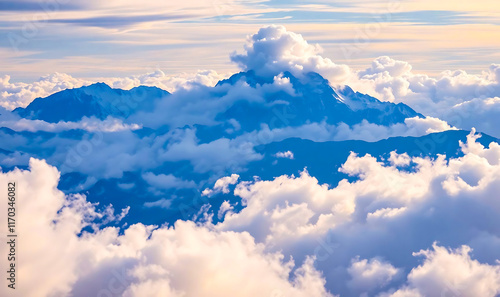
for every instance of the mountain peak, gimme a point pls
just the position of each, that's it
(99, 84)
(250, 77)
(313, 100)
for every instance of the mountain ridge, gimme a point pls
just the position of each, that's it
(315, 101)
(98, 100)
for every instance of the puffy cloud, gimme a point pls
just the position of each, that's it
(108, 151)
(224, 208)
(393, 80)
(222, 185)
(481, 113)
(386, 65)
(286, 155)
(143, 260)
(399, 159)
(57, 219)
(274, 49)
(412, 127)
(285, 212)
(369, 274)
(451, 273)
(14, 95)
(462, 99)
(170, 83)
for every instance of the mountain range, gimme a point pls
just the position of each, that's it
(311, 99)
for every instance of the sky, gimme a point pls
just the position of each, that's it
(90, 39)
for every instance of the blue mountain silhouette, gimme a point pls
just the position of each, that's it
(313, 100)
(98, 100)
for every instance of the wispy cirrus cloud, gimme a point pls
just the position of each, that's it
(113, 21)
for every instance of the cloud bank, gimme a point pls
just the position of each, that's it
(464, 100)
(13, 94)
(294, 237)
(144, 260)
(385, 217)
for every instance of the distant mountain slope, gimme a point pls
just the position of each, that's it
(98, 100)
(370, 107)
(322, 159)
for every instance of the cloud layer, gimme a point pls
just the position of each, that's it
(294, 237)
(388, 213)
(144, 260)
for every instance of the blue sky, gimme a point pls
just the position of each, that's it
(119, 38)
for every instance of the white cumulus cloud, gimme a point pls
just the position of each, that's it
(462, 99)
(144, 260)
(293, 237)
(274, 49)
(18, 94)
(388, 211)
